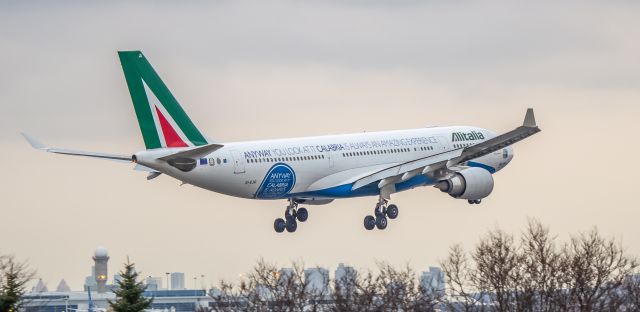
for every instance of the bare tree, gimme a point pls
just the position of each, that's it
(461, 293)
(345, 292)
(541, 269)
(496, 258)
(631, 293)
(268, 288)
(596, 269)
(532, 274)
(589, 273)
(355, 292)
(398, 291)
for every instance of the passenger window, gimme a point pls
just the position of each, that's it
(218, 161)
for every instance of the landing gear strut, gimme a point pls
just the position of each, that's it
(381, 213)
(292, 215)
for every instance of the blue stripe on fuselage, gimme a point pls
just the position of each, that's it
(371, 189)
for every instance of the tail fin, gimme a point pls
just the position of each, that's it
(162, 121)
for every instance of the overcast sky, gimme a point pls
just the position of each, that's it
(272, 69)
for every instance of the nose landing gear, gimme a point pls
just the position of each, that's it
(292, 215)
(381, 213)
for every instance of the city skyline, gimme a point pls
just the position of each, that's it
(256, 71)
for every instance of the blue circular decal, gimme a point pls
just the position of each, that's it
(278, 182)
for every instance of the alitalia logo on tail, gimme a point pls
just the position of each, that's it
(162, 120)
(466, 136)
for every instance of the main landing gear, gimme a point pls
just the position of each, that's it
(292, 215)
(474, 201)
(381, 213)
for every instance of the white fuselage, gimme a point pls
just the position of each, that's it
(323, 167)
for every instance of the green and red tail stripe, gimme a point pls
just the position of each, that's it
(162, 120)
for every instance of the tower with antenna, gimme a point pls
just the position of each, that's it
(101, 258)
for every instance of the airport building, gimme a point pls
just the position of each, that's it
(97, 292)
(177, 281)
(170, 300)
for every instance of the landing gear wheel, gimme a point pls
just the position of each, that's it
(292, 225)
(279, 225)
(392, 211)
(477, 201)
(302, 214)
(379, 211)
(471, 201)
(381, 223)
(369, 223)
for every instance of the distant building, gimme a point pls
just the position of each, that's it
(177, 281)
(63, 287)
(154, 283)
(432, 280)
(40, 287)
(284, 275)
(345, 278)
(317, 280)
(90, 281)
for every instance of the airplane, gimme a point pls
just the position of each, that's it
(457, 160)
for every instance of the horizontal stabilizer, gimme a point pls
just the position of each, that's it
(193, 152)
(38, 145)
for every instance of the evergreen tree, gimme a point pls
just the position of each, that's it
(129, 293)
(14, 277)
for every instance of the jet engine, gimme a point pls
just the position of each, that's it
(470, 183)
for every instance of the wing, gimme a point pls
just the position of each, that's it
(37, 145)
(527, 129)
(440, 165)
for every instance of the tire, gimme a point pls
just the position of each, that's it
(302, 214)
(279, 225)
(292, 225)
(471, 201)
(392, 211)
(369, 223)
(379, 211)
(381, 223)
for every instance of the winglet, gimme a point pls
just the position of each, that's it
(34, 143)
(529, 119)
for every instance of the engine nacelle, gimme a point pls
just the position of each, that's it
(470, 183)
